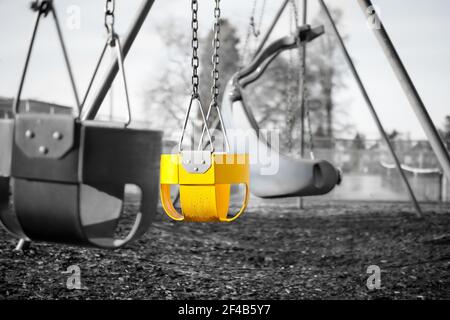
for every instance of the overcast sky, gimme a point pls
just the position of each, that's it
(418, 28)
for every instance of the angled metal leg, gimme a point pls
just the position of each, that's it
(22, 245)
(372, 110)
(411, 93)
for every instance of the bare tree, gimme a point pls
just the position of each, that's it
(274, 98)
(326, 68)
(168, 96)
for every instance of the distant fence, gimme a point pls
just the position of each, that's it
(369, 172)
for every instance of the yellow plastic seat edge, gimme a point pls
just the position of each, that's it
(168, 176)
(242, 209)
(167, 204)
(233, 169)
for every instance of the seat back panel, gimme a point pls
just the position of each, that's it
(57, 165)
(118, 155)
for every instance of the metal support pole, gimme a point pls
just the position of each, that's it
(441, 178)
(371, 107)
(408, 87)
(444, 188)
(302, 84)
(272, 26)
(302, 93)
(91, 112)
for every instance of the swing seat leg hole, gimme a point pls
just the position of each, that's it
(112, 213)
(132, 203)
(318, 176)
(238, 196)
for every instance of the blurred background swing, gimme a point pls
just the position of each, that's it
(274, 175)
(60, 165)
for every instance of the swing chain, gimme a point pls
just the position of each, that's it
(195, 97)
(215, 56)
(247, 37)
(252, 30)
(256, 30)
(195, 62)
(294, 84)
(215, 73)
(113, 41)
(303, 90)
(295, 11)
(215, 59)
(110, 6)
(43, 7)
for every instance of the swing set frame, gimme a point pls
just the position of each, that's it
(387, 46)
(403, 77)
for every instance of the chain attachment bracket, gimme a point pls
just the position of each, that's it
(44, 7)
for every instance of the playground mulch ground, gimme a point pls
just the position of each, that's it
(272, 252)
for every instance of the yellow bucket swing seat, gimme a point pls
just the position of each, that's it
(204, 179)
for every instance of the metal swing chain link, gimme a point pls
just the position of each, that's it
(110, 7)
(252, 30)
(215, 74)
(112, 41)
(215, 59)
(292, 86)
(257, 29)
(247, 37)
(215, 71)
(195, 62)
(44, 7)
(302, 83)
